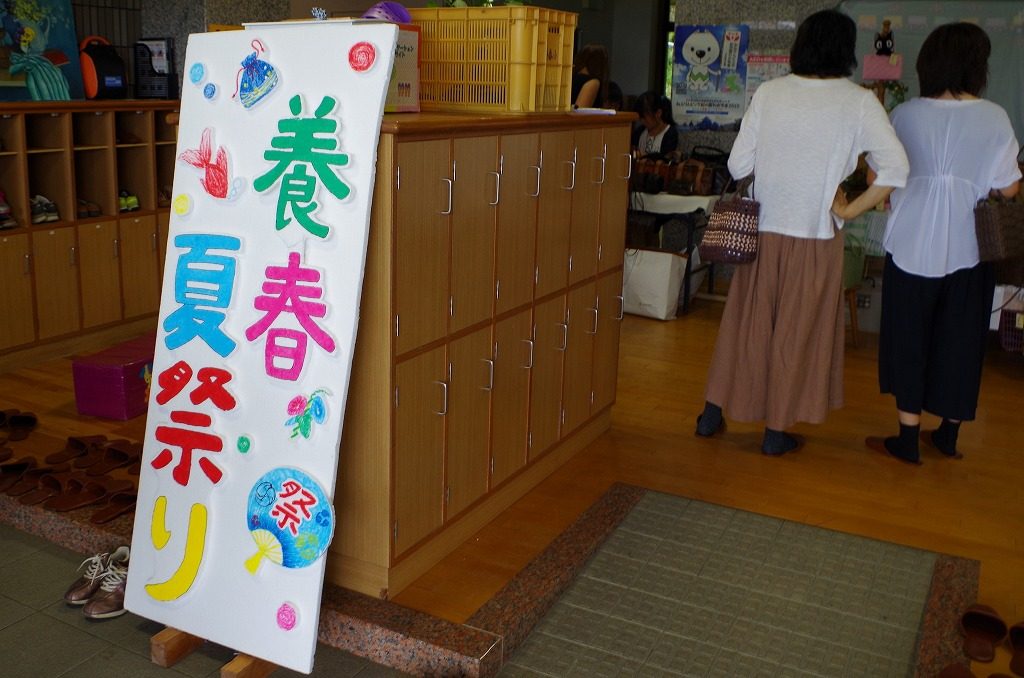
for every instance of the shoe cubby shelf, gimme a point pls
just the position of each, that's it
(82, 214)
(80, 156)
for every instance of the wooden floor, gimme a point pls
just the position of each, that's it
(972, 507)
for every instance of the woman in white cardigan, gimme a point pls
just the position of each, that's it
(779, 353)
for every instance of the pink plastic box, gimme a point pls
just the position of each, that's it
(113, 383)
(880, 67)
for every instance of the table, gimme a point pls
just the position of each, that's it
(669, 205)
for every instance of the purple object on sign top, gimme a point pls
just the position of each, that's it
(394, 12)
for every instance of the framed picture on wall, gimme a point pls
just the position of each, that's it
(709, 76)
(38, 51)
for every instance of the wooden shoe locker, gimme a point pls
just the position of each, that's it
(80, 274)
(487, 351)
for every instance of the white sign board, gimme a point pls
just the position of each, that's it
(274, 171)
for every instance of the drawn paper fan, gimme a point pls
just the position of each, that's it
(267, 546)
(290, 518)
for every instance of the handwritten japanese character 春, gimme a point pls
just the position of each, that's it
(290, 293)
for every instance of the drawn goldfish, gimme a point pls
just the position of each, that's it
(215, 181)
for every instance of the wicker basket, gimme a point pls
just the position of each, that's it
(509, 59)
(999, 225)
(1011, 330)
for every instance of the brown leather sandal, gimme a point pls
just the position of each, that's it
(983, 629)
(76, 446)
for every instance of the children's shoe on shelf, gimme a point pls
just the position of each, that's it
(87, 208)
(38, 210)
(44, 210)
(108, 601)
(89, 583)
(128, 202)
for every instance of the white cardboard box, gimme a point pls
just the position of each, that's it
(1006, 297)
(404, 88)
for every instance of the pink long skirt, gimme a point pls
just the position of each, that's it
(779, 353)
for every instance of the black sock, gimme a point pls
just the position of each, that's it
(778, 442)
(905, 445)
(710, 420)
(945, 437)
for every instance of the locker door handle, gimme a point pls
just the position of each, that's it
(529, 364)
(444, 398)
(490, 375)
(450, 187)
(497, 188)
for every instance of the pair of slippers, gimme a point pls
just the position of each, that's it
(16, 425)
(984, 630)
(98, 456)
(60, 489)
(961, 671)
(11, 472)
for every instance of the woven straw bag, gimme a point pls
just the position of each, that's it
(731, 234)
(999, 225)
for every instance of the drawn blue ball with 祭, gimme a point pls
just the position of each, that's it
(210, 90)
(197, 73)
(290, 518)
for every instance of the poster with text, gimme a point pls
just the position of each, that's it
(709, 76)
(764, 67)
(273, 178)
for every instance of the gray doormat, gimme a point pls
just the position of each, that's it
(686, 588)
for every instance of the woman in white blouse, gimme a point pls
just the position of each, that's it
(936, 296)
(779, 353)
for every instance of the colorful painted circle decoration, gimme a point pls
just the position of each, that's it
(361, 56)
(290, 518)
(287, 617)
(182, 204)
(196, 73)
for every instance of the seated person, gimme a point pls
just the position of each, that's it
(657, 137)
(614, 100)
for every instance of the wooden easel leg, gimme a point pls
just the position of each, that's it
(244, 666)
(169, 646)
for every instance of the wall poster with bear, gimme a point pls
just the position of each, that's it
(709, 76)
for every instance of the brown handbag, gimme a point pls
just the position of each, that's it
(690, 177)
(999, 225)
(731, 234)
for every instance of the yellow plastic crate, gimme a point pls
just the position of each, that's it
(510, 59)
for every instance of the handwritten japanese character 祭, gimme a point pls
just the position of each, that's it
(172, 382)
(290, 519)
(203, 282)
(290, 295)
(303, 144)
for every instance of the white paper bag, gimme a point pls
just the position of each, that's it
(651, 281)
